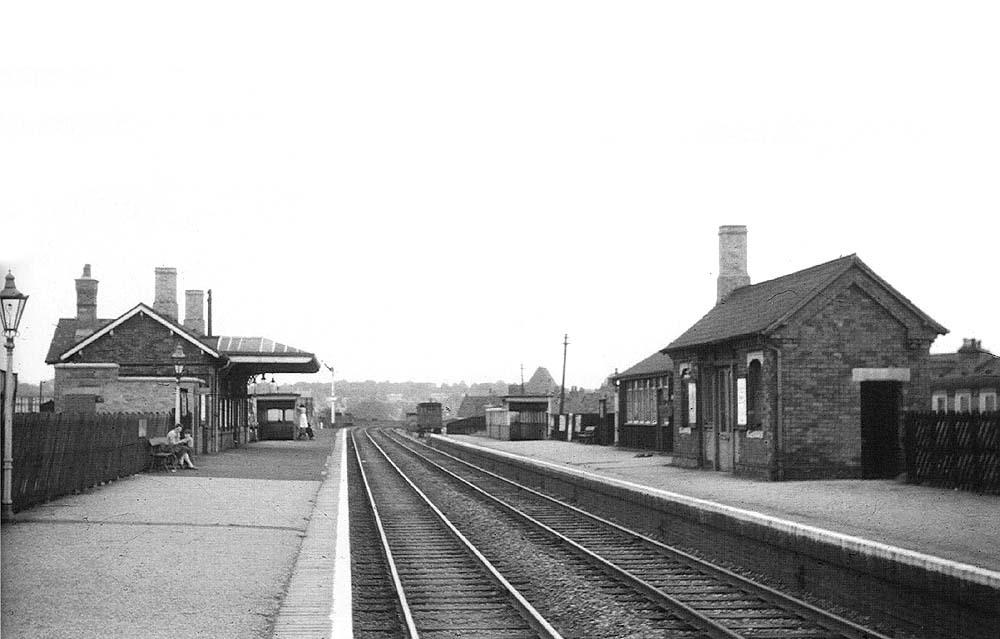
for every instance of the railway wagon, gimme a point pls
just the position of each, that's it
(429, 417)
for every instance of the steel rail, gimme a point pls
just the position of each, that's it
(411, 627)
(530, 614)
(692, 616)
(824, 618)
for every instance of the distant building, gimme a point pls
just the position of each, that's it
(476, 405)
(965, 381)
(126, 364)
(644, 410)
(519, 417)
(540, 383)
(801, 377)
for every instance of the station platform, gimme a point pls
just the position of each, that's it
(958, 531)
(267, 525)
(248, 545)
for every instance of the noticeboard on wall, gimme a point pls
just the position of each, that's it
(741, 401)
(692, 403)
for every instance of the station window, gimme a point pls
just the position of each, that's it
(939, 402)
(640, 404)
(963, 402)
(987, 401)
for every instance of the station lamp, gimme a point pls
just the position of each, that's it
(12, 303)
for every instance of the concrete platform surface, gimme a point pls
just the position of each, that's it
(196, 553)
(953, 525)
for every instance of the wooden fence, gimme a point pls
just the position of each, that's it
(58, 454)
(467, 425)
(953, 450)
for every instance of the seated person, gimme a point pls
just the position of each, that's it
(182, 443)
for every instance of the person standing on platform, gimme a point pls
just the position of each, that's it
(305, 430)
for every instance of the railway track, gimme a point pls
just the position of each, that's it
(718, 602)
(441, 585)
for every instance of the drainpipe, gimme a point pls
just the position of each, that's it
(779, 429)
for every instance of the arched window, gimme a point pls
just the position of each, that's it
(755, 396)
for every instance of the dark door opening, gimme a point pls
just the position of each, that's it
(880, 451)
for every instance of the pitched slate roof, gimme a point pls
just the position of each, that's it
(541, 383)
(475, 405)
(761, 308)
(256, 350)
(65, 337)
(972, 366)
(582, 402)
(64, 342)
(655, 363)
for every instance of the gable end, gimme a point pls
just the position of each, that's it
(918, 326)
(140, 310)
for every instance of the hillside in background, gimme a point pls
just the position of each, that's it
(392, 400)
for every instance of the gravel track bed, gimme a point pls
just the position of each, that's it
(449, 593)
(880, 625)
(578, 599)
(375, 613)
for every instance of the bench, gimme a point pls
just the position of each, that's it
(586, 436)
(162, 455)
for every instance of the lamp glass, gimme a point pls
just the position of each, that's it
(178, 357)
(13, 307)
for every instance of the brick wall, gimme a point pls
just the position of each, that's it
(855, 323)
(141, 347)
(821, 402)
(80, 380)
(127, 395)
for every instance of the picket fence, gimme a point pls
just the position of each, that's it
(57, 454)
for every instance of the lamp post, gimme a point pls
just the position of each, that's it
(12, 304)
(178, 357)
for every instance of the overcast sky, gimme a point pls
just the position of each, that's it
(439, 191)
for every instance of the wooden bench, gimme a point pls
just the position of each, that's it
(586, 436)
(162, 455)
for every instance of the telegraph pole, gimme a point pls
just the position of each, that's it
(562, 388)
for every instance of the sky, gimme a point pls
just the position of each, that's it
(440, 191)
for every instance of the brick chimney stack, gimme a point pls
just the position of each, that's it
(165, 301)
(194, 311)
(971, 345)
(86, 304)
(732, 260)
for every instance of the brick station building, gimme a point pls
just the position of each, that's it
(801, 377)
(126, 364)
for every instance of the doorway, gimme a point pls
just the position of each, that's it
(880, 450)
(724, 409)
